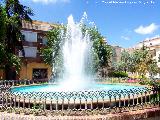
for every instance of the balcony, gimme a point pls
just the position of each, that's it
(30, 44)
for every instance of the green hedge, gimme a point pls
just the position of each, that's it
(118, 74)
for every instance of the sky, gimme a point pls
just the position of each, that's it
(122, 22)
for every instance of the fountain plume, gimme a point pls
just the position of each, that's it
(76, 55)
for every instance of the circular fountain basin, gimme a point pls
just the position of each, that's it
(93, 95)
(56, 88)
(93, 91)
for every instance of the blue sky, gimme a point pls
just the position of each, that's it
(122, 22)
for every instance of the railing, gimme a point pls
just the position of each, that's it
(22, 82)
(39, 81)
(77, 103)
(117, 80)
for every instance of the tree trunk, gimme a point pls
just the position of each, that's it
(10, 73)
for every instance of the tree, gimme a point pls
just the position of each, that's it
(52, 53)
(2, 24)
(132, 63)
(125, 58)
(119, 66)
(124, 63)
(13, 14)
(144, 59)
(16, 13)
(102, 51)
(2, 34)
(153, 68)
(139, 61)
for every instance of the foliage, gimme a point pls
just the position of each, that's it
(124, 63)
(9, 59)
(139, 61)
(47, 55)
(147, 81)
(100, 47)
(2, 24)
(2, 54)
(119, 66)
(16, 13)
(132, 63)
(2, 34)
(52, 53)
(101, 51)
(12, 13)
(118, 74)
(125, 56)
(14, 61)
(153, 68)
(145, 62)
(53, 45)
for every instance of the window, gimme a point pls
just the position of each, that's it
(39, 73)
(44, 41)
(36, 27)
(30, 36)
(40, 37)
(29, 52)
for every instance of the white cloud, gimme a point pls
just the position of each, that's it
(146, 29)
(50, 1)
(125, 38)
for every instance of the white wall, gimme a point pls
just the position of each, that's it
(155, 42)
(148, 43)
(30, 36)
(29, 52)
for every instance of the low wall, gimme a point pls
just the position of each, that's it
(148, 114)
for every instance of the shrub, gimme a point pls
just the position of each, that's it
(118, 74)
(147, 82)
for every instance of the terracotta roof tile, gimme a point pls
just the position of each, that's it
(38, 25)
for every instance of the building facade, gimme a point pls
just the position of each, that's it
(33, 66)
(154, 47)
(116, 55)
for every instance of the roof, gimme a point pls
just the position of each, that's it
(38, 25)
(151, 39)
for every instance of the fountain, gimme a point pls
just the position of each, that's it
(76, 88)
(75, 53)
